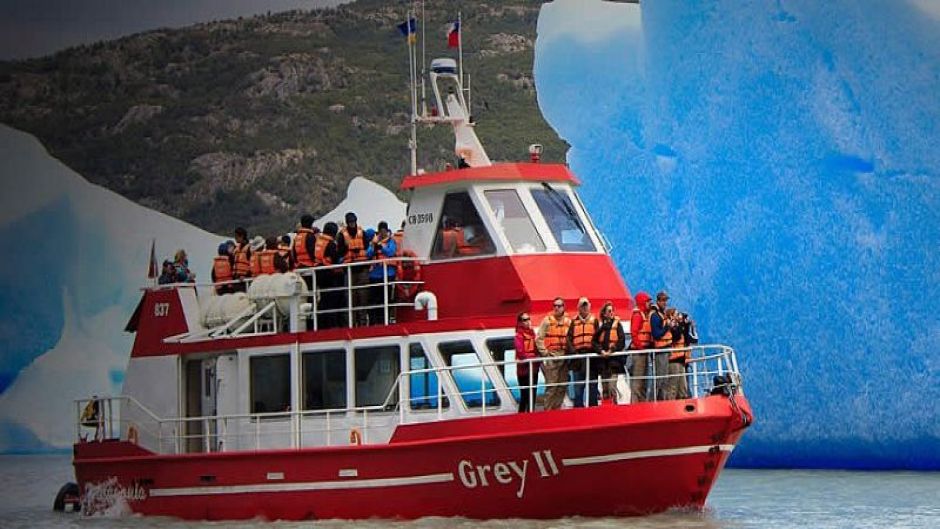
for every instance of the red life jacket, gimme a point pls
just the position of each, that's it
(221, 269)
(266, 262)
(355, 247)
(319, 250)
(583, 332)
(302, 258)
(242, 261)
(399, 237)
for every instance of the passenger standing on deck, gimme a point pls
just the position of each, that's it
(267, 258)
(222, 268)
(382, 248)
(551, 341)
(303, 248)
(527, 373)
(168, 274)
(683, 336)
(609, 339)
(661, 331)
(640, 339)
(326, 252)
(352, 246)
(181, 267)
(579, 342)
(241, 269)
(284, 258)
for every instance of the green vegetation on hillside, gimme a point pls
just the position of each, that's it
(255, 121)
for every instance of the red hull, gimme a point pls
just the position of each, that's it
(605, 461)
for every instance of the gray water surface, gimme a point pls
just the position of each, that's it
(741, 499)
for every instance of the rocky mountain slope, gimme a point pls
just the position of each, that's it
(255, 121)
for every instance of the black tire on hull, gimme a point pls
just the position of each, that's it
(68, 495)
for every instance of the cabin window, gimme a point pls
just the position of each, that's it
(514, 221)
(504, 350)
(423, 386)
(270, 383)
(563, 220)
(377, 370)
(324, 380)
(460, 231)
(472, 381)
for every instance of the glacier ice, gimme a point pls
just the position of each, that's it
(775, 167)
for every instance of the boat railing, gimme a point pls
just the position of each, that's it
(321, 304)
(472, 388)
(705, 369)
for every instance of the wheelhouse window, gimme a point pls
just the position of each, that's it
(324, 380)
(270, 383)
(514, 221)
(423, 388)
(460, 231)
(504, 350)
(472, 381)
(562, 218)
(377, 369)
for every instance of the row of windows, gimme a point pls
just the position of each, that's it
(461, 232)
(324, 379)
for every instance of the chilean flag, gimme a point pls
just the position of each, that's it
(453, 36)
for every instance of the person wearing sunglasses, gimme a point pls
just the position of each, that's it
(527, 373)
(551, 342)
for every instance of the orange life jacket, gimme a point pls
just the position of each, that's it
(222, 269)
(302, 258)
(583, 332)
(643, 338)
(266, 262)
(407, 271)
(557, 333)
(256, 264)
(614, 333)
(684, 354)
(242, 261)
(319, 250)
(355, 248)
(664, 341)
(454, 243)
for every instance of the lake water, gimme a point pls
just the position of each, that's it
(741, 499)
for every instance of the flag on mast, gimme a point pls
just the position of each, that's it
(453, 36)
(409, 29)
(153, 271)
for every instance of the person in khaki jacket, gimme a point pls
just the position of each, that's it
(551, 342)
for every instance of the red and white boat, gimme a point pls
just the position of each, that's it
(244, 406)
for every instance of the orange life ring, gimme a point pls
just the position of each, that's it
(132, 435)
(355, 437)
(408, 271)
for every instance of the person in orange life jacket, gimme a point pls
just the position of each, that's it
(527, 373)
(608, 339)
(241, 266)
(303, 248)
(381, 248)
(640, 339)
(661, 327)
(263, 261)
(399, 238)
(352, 244)
(551, 342)
(222, 268)
(580, 333)
(683, 336)
(283, 257)
(181, 267)
(326, 252)
(257, 246)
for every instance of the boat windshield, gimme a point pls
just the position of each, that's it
(514, 221)
(563, 220)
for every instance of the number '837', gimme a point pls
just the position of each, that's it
(161, 309)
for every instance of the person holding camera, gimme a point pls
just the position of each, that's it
(684, 335)
(382, 248)
(661, 329)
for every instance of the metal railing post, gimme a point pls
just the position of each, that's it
(365, 426)
(385, 288)
(587, 382)
(652, 356)
(483, 389)
(349, 297)
(329, 429)
(695, 389)
(440, 405)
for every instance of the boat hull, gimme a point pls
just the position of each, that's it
(604, 461)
